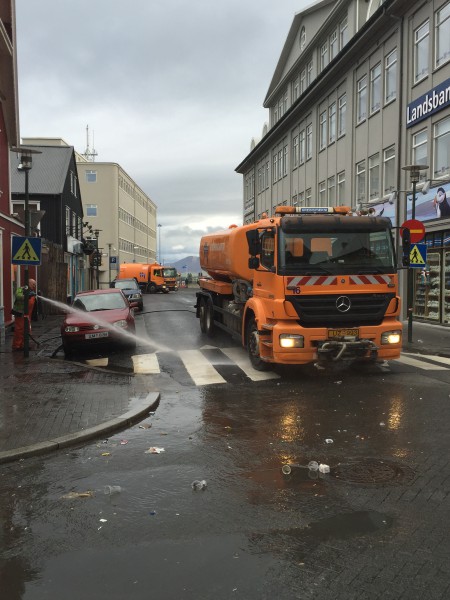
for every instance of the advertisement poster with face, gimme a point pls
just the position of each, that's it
(435, 204)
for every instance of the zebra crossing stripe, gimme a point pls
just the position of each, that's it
(98, 362)
(412, 362)
(439, 359)
(199, 368)
(146, 364)
(238, 356)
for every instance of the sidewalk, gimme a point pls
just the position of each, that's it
(48, 403)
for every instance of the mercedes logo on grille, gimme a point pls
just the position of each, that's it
(343, 304)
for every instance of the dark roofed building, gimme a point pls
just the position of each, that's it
(56, 215)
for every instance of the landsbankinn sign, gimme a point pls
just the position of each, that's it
(428, 104)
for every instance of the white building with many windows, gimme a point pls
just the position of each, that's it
(361, 90)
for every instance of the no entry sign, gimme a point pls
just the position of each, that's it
(416, 228)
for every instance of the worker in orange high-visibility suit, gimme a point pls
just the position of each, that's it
(18, 312)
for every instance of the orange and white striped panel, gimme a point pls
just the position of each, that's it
(369, 279)
(294, 282)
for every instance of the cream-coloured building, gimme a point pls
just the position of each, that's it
(121, 212)
(361, 90)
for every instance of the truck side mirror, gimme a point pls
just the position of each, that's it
(406, 247)
(253, 262)
(254, 242)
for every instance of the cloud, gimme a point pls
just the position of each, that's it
(172, 91)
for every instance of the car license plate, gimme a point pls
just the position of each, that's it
(337, 333)
(100, 334)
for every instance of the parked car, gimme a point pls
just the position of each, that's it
(101, 317)
(131, 290)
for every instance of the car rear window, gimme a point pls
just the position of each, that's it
(100, 302)
(126, 284)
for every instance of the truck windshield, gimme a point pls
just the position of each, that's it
(170, 272)
(346, 252)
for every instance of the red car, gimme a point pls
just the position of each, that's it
(99, 317)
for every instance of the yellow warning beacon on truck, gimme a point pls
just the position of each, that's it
(309, 285)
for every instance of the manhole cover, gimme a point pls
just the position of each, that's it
(372, 471)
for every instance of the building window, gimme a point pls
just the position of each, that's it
(322, 194)
(374, 177)
(443, 35)
(275, 167)
(302, 147)
(73, 183)
(420, 150)
(333, 45)
(332, 191)
(343, 33)
(361, 99)
(309, 73)
(308, 197)
(375, 88)
(332, 123)
(389, 170)
(267, 175)
(390, 77)
(441, 135)
(341, 188)
(322, 130)
(309, 141)
(302, 39)
(324, 56)
(361, 181)
(91, 176)
(342, 109)
(68, 221)
(421, 51)
(301, 199)
(91, 210)
(285, 160)
(295, 89)
(295, 152)
(302, 81)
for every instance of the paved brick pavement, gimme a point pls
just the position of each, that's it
(48, 403)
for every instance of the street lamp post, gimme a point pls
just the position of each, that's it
(414, 173)
(26, 162)
(159, 243)
(109, 263)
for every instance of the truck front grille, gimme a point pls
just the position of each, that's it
(322, 310)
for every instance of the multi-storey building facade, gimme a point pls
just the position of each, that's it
(361, 90)
(121, 212)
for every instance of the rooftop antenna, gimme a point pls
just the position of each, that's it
(88, 153)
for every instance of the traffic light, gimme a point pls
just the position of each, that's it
(406, 246)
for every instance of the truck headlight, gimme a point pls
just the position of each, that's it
(391, 337)
(71, 329)
(291, 340)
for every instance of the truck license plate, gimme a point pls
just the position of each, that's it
(100, 334)
(337, 333)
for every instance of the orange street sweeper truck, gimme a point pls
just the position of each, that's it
(309, 285)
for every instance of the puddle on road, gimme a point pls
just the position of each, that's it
(347, 525)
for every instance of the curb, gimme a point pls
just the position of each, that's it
(132, 416)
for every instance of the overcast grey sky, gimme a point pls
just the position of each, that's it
(171, 90)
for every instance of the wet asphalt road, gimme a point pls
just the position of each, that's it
(374, 527)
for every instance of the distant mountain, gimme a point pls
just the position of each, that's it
(190, 264)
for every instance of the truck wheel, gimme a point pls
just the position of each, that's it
(207, 316)
(253, 347)
(152, 288)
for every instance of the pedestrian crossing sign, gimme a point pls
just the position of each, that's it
(26, 251)
(418, 256)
